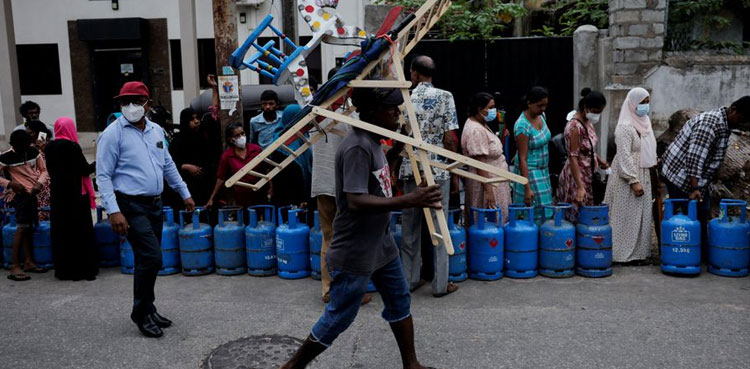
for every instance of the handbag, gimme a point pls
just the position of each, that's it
(598, 184)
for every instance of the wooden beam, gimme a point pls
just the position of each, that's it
(380, 84)
(422, 145)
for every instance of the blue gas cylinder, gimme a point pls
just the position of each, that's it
(521, 243)
(557, 244)
(42, 243)
(396, 228)
(170, 247)
(292, 245)
(107, 241)
(9, 232)
(127, 259)
(486, 246)
(260, 237)
(196, 251)
(594, 242)
(229, 243)
(728, 238)
(457, 271)
(681, 238)
(316, 247)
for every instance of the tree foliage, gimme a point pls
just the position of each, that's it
(470, 19)
(571, 14)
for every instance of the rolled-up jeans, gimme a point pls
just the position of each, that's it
(411, 250)
(347, 290)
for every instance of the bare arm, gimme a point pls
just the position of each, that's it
(573, 150)
(422, 197)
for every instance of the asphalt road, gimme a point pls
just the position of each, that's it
(637, 318)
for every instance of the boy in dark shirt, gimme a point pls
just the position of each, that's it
(362, 247)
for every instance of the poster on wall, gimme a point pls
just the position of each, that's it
(229, 93)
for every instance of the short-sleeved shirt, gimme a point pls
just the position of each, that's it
(263, 128)
(436, 113)
(230, 163)
(362, 241)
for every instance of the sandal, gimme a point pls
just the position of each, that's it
(421, 283)
(365, 300)
(19, 277)
(451, 288)
(36, 270)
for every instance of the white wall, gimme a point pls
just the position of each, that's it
(46, 21)
(706, 86)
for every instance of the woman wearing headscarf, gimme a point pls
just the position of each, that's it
(292, 185)
(196, 154)
(72, 198)
(629, 187)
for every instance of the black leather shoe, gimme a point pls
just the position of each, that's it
(149, 328)
(161, 321)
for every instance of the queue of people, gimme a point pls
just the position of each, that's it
(47, 168)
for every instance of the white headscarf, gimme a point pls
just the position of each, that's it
(641, 124)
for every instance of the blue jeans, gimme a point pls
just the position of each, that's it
(347, 291)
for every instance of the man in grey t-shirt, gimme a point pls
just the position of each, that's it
(362, 248)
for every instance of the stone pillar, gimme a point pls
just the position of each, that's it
(10, 91)
(585, 60)
(189, 51)
(637, 30)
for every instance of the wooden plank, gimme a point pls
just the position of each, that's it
(256, 174)
(287, 149)
(380, 84)
(271, 162)
(422, 145)
(246, 185)
(453, 165)
(303, 137)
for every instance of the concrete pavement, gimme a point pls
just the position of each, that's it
(637, 318)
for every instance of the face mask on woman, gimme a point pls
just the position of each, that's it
(491, 115)
(642, 109)
(593, 118)
(133, 112)
(240, 142)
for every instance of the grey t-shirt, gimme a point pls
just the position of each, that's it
(362, 242)
(324, 161)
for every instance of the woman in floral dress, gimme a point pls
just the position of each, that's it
(629, 187)
(577, 175)
(479, 142)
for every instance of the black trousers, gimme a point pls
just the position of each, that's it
(144, 216)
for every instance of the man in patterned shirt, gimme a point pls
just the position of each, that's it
(692, 160)
(436, 113)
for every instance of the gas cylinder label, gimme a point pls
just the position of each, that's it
(681, 250)
(267, 243)
(493, 259)
(279, 244)
(680, 234)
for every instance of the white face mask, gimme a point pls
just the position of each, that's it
(593, 118)
(240, 142)
(133, 112)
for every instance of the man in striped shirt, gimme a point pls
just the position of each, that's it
(693, 159)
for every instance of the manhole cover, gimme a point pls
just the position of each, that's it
(256, 352)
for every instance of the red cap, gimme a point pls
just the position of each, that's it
(133, 88)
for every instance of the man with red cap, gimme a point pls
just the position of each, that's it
(132, 162)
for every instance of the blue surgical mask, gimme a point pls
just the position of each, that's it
(642, 109)
(491, 115)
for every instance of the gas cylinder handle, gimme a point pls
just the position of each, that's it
(293, 217)
(512, 214)
(222, 215)
(726, 204)
(480, 217)
(281, 211)
(169, 213)
(316, 221)
(240, 217)
(182, 218)
(269, 215)
(253, 218)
